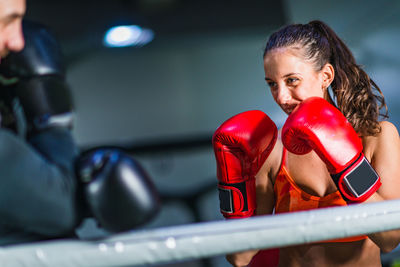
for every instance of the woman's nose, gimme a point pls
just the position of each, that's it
(282, 95)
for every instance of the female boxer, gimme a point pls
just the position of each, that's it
(332, 151)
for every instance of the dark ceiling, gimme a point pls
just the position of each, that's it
(80, 21)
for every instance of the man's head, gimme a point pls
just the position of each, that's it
(11, 37)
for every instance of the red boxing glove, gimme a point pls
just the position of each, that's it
(241, 146)
(318, 125)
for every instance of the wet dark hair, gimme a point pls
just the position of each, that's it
(357, 95)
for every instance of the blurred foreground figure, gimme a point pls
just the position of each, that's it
(47, 186)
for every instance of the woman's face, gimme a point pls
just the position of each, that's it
(291, 78)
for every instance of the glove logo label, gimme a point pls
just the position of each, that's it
(361, 178)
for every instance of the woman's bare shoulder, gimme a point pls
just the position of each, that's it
(388, 135)
(388, 128)
(387, 138)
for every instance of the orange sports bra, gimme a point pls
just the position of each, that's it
(289, 197)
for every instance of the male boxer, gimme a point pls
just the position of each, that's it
(46, 186)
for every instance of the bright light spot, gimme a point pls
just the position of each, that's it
(102, 247)
(40, 254)
(128, 35)
(170, 243)
(119, 247)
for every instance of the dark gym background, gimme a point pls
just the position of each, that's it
(163, 101)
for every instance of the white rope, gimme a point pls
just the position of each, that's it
(208, 239)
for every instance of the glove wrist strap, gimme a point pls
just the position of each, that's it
(358, 181)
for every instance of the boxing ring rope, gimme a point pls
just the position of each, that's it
(208, 239)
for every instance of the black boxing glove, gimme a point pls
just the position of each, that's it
(36, 77)
(116, 190)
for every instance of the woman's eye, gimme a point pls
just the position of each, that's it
(271, 84)
(292, 80)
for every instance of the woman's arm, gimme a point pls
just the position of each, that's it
(385, 159)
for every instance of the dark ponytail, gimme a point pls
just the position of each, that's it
(357, 96)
